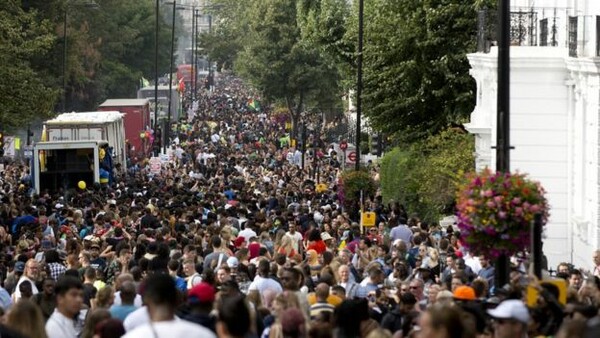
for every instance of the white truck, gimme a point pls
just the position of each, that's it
(63, 164)
(105, 126)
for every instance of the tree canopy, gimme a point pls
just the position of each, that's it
(109, 48)
(24, 38)
(416, 73)
(282, 50)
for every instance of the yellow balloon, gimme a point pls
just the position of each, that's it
(81, 185)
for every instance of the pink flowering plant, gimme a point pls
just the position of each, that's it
(496, 210)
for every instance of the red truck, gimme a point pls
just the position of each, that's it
(136, 119)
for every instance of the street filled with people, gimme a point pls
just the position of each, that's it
(234, 238)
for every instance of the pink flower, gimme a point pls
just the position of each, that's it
(488, 193)
(502, 215)
(490, 204)
(498, 198)
(518, 211)
(516, 201)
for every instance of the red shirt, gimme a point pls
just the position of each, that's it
(319, 246)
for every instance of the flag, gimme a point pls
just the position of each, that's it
(144, 82)
(181, 86)
(254, 104)
(42, 157)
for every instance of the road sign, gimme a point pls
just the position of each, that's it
(344, 145)
(368, 219)
(155, 165)
(352, 157)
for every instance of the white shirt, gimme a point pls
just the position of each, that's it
(137, 302)
(473, 263)
(17, 293)
(59, 326)
(262, 284)
(296, 237)
(170, 329)
(247, 234)
(137, 318)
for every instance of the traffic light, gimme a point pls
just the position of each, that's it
(376, 144)
(1, 143)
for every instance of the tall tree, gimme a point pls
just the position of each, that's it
(277, 51)
(24, 36)
(416, 74)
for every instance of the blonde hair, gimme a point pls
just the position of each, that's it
(105, 297)
(26, 318)
(434, 254)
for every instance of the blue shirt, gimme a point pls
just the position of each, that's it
(488, 274)
(402, 232)
(121, 311)
(181, 284)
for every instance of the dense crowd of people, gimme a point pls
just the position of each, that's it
(235, 239)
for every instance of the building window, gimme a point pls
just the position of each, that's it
(597, 35)
(544, 32)
(573, 36)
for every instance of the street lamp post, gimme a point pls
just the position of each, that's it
(503, 118)
(195, 56)
(168, 126)
(156, 68)
(64, 77)
(359, 81)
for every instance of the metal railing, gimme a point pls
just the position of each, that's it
(525, 28)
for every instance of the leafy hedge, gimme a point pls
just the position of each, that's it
(423, 175)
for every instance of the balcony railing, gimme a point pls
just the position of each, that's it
(525, 28)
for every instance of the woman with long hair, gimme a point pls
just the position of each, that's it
(282, 302)
(105, 297)
(287, 247)
(26, 318)
(92, 320)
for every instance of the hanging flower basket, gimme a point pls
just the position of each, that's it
(496, 210)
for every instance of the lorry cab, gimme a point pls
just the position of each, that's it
(63, 164)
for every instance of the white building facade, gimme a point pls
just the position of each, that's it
(555, 109)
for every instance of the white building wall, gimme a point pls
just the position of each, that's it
(555, 127)
(583, 86)
(538, 128)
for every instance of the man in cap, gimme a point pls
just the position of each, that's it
(511, 319)
(96, 261)
(201, 299)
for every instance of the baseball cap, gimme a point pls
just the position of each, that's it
(511, 309)
(464, 293)
(19, 267)
(233, 262)
(239, 241)
(201, 293)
